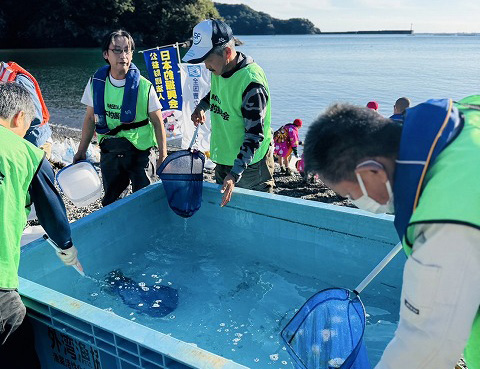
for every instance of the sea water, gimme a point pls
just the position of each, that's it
(231, 303)
(306, 73)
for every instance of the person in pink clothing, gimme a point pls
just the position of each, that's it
(286, 141)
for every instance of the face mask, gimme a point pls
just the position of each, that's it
(368, 204)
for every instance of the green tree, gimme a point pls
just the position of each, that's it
(71, 23)
(246, 21)
(161, 22)
(63, 22)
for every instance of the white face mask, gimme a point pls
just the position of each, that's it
(366, 203)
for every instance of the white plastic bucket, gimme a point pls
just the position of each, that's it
(80, 183)
(292, 164)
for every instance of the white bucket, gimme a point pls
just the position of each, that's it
(292, 164)
(80, 183)
(210, 164)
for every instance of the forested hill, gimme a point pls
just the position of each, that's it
(246, 21)
(80, 23)
(83, 23)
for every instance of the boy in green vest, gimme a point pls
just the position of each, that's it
(25, 177)
(239, 103)
(427, 173)
(124, 110)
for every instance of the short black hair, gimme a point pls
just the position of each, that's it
(402, 104)
(343, 136)
(108, 39)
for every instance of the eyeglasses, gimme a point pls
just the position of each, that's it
(120, 51)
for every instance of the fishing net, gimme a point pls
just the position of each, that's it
(327, 332)
(182, 177)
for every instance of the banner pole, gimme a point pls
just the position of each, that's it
(178, 53)
(160, 47)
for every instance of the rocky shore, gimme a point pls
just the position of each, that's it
(293, 185)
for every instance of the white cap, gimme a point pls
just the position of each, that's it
(206, 35)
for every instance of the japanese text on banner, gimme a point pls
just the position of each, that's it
(164, 73)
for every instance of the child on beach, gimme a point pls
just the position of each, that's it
(286, 142)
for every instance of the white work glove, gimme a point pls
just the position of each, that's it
(68, 256)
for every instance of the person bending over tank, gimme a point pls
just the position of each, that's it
(427, 172)
(25, 177)
(124, 110)
(239, 103)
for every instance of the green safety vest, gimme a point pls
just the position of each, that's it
(228, 128)
(19, 162)
(457, 168)
(142, 137)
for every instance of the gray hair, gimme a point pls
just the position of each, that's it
(13, 99)
(218, 50)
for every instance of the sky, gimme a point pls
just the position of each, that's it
(427, 16)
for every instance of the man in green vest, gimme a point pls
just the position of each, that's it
(239, 103)
(426, 172)
(124, 110)
(25, 178)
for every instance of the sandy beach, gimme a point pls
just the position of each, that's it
(292, 186)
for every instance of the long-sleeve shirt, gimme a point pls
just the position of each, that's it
(440, 298)
(254, 110)
(49, 206)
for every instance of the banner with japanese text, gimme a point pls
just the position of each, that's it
(195, 85)
(163, 72)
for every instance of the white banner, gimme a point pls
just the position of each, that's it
(195, 85)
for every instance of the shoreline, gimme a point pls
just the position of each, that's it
(292, 186)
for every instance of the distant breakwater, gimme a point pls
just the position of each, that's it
(381, 32)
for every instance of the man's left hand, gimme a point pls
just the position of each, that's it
(227, 189)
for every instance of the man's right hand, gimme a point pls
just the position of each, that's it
(198, 116)
(79, 156)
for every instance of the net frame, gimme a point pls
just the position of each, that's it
(324, 300)
(182, 176)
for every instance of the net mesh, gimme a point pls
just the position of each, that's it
(327, 332)
(182, 177)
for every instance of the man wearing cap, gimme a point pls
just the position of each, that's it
(239, 103)
(25, 177)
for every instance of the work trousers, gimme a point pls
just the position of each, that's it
(258, 176)
(121, 163)
(17, 345)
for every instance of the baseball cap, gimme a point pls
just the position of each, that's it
(372, 105)
(206, 35)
